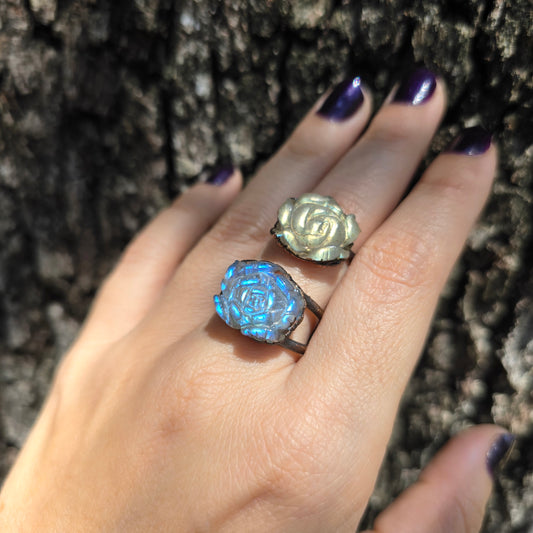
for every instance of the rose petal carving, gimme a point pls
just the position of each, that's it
(315, 228)
(261, 300)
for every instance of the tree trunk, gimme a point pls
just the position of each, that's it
(110, 109)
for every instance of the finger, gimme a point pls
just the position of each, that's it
(452, 492)
(151, 258)
(377, 319)
(373, 176)
(323, 136)
(314, 147)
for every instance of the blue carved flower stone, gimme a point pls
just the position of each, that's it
(260, 299)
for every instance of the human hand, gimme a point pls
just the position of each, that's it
(161, 418)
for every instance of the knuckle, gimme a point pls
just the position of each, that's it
(305, 462)
(297, 477)
(172, 419)
(305, 450)
(191, 396)
(185, 399)
(398, 263)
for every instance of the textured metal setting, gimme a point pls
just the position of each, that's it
(314, 227)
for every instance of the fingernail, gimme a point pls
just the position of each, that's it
(499, 452)
(417, 88)
(471, 141)
(220, 176)
(345, 99)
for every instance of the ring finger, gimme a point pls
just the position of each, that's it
(372, 177)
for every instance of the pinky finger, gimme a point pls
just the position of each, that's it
(152, 257)
(452, 492)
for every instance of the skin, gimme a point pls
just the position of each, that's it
(161, 418)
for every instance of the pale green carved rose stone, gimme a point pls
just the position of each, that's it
(315, 228)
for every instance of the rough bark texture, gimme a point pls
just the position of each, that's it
(109, 109)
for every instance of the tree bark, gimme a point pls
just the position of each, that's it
(110, 109)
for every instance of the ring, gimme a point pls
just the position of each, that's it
(261, 300)
(315, 228)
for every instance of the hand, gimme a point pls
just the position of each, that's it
(161, 418)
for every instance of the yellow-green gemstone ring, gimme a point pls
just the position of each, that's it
(315, 228)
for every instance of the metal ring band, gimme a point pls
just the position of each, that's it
(299, 347)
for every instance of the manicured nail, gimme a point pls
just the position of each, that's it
(499, 452)
(345, 99)
(471, 141)
(417, 88)
(220, 176)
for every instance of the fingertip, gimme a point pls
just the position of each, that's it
(332, 125)
(344, 100)
(418, 87)
(474, 147)
(452, 491)
(499, 452)
(468, 450)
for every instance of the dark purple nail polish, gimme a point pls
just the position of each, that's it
(345, 99)
(499, 452)
(417, 88)
(471, 141)
(220, 176)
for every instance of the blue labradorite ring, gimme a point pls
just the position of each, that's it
(315, 228)
(261, 300)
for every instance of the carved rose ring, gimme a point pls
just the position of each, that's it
(261, 300)
(315, 228)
